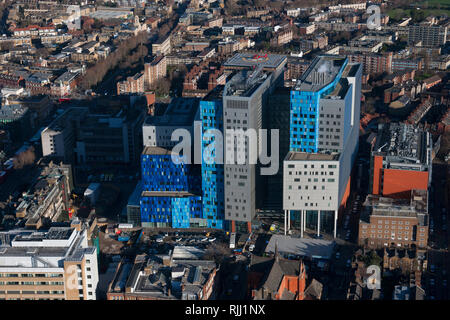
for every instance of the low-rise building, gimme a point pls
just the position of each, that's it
(165, 277)
(386, 222)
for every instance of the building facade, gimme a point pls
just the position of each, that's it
(324, 128)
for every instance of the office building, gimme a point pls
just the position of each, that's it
(107, 131)
(401, 160)
(324, 129)
(58, 139)
(57, 264)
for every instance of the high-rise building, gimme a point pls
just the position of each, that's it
(245, 99)
(244, 96)
(324, 127)
(57, 264)
(211, 115)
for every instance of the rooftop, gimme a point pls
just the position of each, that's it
(180, 112)
(402, 143)
(415, 206)
(306, 156)
(312, 248)
(322, 71)
(245, 83)
(156, 151)
(252, 60)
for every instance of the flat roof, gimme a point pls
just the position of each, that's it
(250, 60)
(179, 194)
(305, 156)
(156, 151)
(322, 71)
(312, 248)
(180, 112)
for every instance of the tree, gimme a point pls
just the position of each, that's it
(161, 87)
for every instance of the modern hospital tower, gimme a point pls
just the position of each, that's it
(324, 129)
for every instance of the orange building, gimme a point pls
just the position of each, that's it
(401, 161)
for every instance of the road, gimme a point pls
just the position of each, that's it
(435, 279)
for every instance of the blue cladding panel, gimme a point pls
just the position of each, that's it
(304, 118)
(159, 173)
(211, 114)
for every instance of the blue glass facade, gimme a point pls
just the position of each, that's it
(304, 117)
(170, 211)
(211, 114)
(168, 199)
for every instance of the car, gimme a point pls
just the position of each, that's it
(178, 239)
(212, 239)
(204, 239)
(159, 240)
(251, 247)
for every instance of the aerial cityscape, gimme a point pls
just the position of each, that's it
(232, 150)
